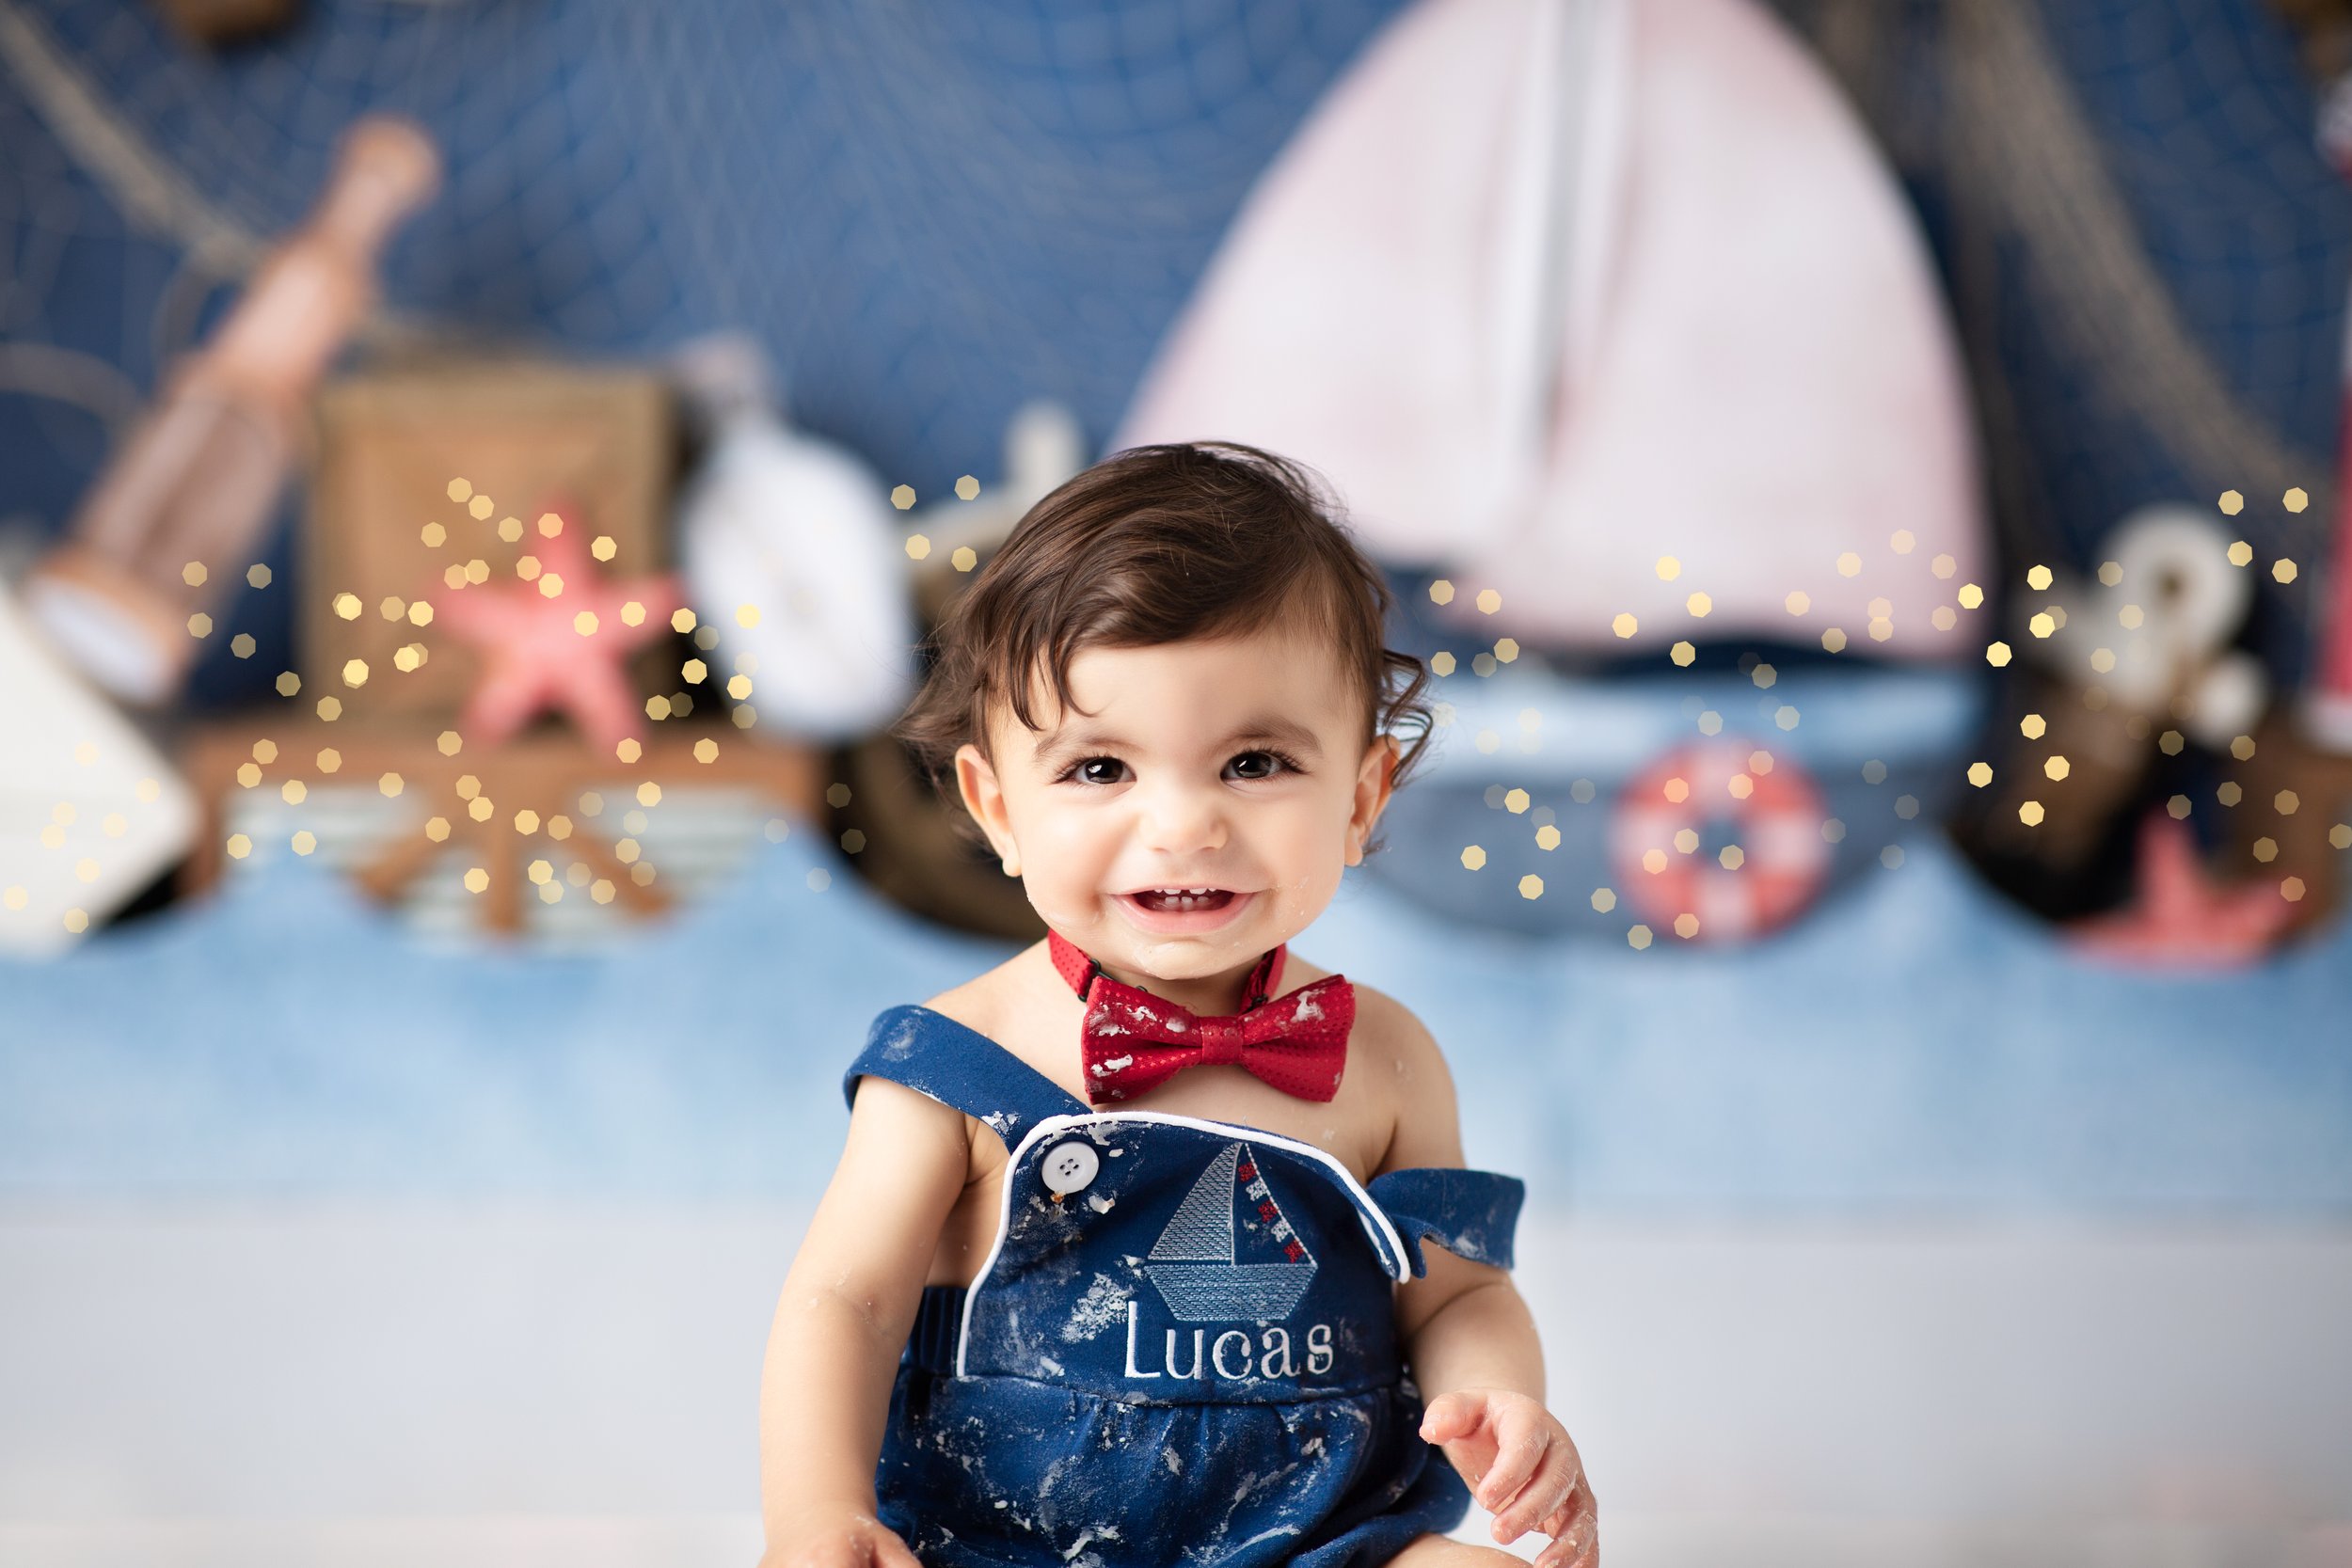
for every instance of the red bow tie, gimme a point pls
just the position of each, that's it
(1133, 1041)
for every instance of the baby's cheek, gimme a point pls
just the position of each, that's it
(1304, 897)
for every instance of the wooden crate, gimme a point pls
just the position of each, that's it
(390, 448)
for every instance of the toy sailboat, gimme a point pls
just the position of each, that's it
(1194, 1264)
(1551, 288)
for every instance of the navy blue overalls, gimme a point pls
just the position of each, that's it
(1183, 1349)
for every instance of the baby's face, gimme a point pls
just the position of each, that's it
(1238, 765)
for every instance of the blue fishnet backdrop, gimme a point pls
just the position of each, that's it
(929, 213)
(932, 214)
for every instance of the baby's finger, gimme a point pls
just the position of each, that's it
(1449, 1416)
(1579, 1519)
(891, 1552)
(1520, 1441)
(1544, 1500)
(1579, 1546)
(1574, 1494)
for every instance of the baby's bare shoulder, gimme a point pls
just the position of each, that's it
(1387, 1032)
(970, 1004)
(1394, 1058)
(964, 1003)
(984, 1001)
(991, 1004)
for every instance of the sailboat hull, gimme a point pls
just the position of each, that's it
(1229, 1292)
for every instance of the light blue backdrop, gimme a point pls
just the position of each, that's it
(1915, 1046)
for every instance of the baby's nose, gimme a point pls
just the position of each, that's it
(1183, 821)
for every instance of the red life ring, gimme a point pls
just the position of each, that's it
(1765, 877)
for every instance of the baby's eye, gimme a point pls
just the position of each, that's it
(1081, 770)
(1268, 765)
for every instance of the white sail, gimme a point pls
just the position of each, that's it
(1550, 289)
(1203, 1230)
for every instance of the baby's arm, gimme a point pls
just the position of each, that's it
(847, 1308)
(1472, 1345)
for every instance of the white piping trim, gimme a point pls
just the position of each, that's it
(1368, 1210)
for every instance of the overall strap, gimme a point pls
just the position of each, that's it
(956, 1065)
(1472, 1213)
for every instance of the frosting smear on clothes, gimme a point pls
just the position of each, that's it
(1182, 1348)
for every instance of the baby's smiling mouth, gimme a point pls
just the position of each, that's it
(1178, 900)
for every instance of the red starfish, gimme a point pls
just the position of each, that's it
(537, 652)
(2179, 918)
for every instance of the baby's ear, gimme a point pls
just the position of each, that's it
(1374, 779)
(984, 798)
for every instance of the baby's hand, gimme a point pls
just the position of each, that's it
(1522, 1468)
(859, 1541)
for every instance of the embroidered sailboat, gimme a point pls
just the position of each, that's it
(1194, 1264)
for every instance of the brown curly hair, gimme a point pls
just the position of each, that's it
(1152, 545)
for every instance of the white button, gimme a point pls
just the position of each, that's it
(1068, 1168)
